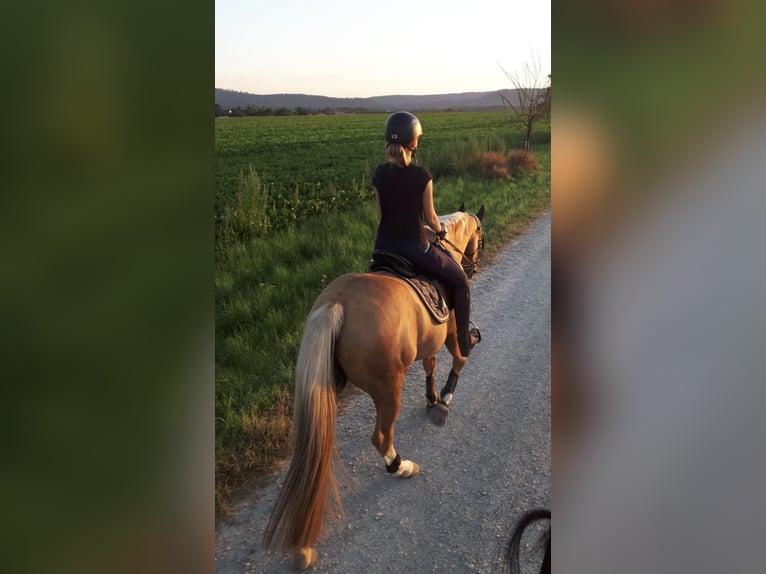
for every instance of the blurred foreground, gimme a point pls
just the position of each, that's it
(658, 273)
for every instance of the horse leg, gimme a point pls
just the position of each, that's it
(429, 365)
(387, 409)
(438, 414)
(448, 390)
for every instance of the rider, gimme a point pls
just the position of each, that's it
(404, 194)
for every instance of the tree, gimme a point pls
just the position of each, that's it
(259, 111)
(533, 98)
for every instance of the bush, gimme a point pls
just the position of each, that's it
(500, 165)
(494, 165)
(521, 162)
(466, 157)
(248, 217)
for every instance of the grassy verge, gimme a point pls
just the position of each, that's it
(264, 290)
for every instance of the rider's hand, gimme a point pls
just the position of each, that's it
(442, 234)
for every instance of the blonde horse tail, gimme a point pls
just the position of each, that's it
(310, 491)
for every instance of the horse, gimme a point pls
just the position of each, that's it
(367, 328)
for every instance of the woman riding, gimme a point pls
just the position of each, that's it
(404, 195)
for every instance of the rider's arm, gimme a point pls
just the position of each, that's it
(428, 207)
(377, 201)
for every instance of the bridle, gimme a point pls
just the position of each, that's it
(470, 267)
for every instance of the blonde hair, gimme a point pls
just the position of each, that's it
(398, 155)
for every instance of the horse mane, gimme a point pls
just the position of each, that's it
(452, 219)
(456, 223)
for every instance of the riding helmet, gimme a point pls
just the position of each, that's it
(403, 128)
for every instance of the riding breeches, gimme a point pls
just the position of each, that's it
(436, 263)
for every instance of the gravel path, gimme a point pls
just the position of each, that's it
(478, 473)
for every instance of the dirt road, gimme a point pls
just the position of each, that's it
(479, 472)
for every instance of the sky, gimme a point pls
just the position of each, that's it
(357, 48)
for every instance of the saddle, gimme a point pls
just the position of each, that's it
(433, 293)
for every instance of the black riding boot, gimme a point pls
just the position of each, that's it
(467, 336)
(467, 340)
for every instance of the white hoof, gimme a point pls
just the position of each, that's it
(407, 468)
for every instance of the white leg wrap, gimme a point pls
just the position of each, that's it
(405, 469)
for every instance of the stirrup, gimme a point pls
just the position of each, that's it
(474, 333)
(474, 336)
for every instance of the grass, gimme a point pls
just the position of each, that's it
(265, 284)
(264, 290)
(297, 167)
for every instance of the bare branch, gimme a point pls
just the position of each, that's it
(532, 97)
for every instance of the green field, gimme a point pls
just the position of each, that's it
(309, 152)
(309, 165)
(295, 209)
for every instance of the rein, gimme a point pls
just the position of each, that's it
(470, 267)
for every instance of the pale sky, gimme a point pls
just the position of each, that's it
(357, 48)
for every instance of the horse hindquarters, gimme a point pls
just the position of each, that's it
(298, 517)
(384, 322)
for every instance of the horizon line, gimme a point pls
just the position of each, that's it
(364, 97)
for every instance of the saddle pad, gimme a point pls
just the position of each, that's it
(430, 291)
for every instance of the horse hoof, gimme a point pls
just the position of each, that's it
(406, 469)
(415, 469)
(438, 413)
(305, 558)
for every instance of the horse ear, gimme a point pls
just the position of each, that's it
(480, 215)
(462, 207)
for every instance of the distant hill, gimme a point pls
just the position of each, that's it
(229, 99)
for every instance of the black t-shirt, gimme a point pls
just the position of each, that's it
(400, 191)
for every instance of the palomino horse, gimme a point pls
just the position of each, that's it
(367, 328)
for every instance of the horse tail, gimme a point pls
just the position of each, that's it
(514, 546)
(310, 489)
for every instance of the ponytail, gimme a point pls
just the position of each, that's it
(395, 153)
